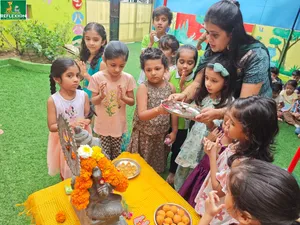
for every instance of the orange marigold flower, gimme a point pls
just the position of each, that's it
(60, 217)
(88, 164)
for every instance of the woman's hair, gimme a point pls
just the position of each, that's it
(274, 70)
(226, 14)
(258, 117)
(226, 91)
(116, 49)
(153, 54)
(268, 193)
(190, 47)
(85, 52)
(163, 10)
(169, 41)
(58, 67)
(292, 83)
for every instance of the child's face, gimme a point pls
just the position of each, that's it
(296, 78)
(234, 128)
(168, 53)
(155, 71)
(161, 23)
(70, 79)
(275, 94)
(274, 75)
(185, 63)
(214, 82)
(289, 89)
(93, 41)
(226, 118)
(115, 66)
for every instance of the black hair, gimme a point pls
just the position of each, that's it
(226, 14)
(296, 73)
(293, 83)
(85, 52)
(153, 54)
(226, 91)
(169, 41)
(258, 117)
(274, 70)
(163, 10)
(268, 193)
(116, 49)
(190, 47)
(58, 67)
(276, 87)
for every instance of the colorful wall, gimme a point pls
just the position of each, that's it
(269, 21)
(52, 12)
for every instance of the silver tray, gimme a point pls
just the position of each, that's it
(131, 162)
(181, 109)
(178, 206)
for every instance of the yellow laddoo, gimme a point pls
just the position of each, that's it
(174, 209)
(160, 219)
(185, 220)
(161, 212)
(166, 208)
(181, 212)
(168, 221)
(170, 214)
(177, 219)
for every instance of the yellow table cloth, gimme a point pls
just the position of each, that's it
(144, 194)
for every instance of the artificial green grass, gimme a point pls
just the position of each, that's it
(23, 146)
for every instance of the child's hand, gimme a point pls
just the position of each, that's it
(210, 148)
(80, 123)
(211, 209)
(152, 34)
(121, 92)
(160, 109)
(212, 136)
(102, 88)
(83, 70)
(172, 137)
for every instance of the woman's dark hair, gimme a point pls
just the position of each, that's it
(276, 87)
(268, 193)
(169, 41)
(58, 67)
(226, 92)
(258, 117)
(274, 70)
(85, 52)
(190, 47)
(226, 14)
(153, 54)
(163, 10)
(116, 49)
(292, 83)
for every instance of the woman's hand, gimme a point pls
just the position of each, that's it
(208, 114)
(177, 97)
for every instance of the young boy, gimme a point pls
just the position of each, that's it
(275, 78)
(296, 76)
(161, 18)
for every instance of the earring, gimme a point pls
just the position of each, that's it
(227, 47)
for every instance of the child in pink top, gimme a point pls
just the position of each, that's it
(112, 89)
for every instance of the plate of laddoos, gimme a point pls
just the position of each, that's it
(129, 167)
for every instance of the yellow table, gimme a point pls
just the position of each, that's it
(144, 194)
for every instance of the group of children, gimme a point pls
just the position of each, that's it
(204, 155)
(287, 97)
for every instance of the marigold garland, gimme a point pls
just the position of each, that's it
(60, 217)
(110, 174)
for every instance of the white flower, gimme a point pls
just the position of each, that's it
(85, 151)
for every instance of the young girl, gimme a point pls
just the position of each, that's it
(194, 181)
(253, 123)
(112, 89)
(186, 60)
(92, 47)
(150, 126)
(73, 104)
(288, 94)
(214, 92)
(169, 46)
(258, 193)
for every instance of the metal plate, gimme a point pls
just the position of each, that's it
(134, 164)
(181, 109)
(178, 206)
